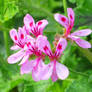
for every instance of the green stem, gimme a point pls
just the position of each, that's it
(5, 33)
(65, 6)
(83, 74)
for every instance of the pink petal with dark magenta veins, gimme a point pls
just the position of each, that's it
(54, 76)
(30, 42)
(83, 43)
(70, 16)
(31, 39)
(47, 71)
(62, 20)
(83, 32)
(15, 47)
(62, 71)
(25, 58)
(61, 46)
(27, 66)
(22, 35)
(37, 70)
(27, 31)
(16, 57)
(40, 25)
(14, 35)
(43, 44)
(29, 22)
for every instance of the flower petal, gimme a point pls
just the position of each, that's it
(84, 32)
(25, 58)
(27, 66)
(22, 35)
(70, 16)
(62, 71)
(36, 72)
(62, 20)
(15, 47)
(26, 30)
(43, 45)
(30, 42)
(29, 22)
(83, 43)
(54, 76)
(40, 25)
(47, 71)
(14, 35)
(60, 46)
(16, 57)
(30, 39)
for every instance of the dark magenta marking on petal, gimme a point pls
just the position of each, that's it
(63, 19)
(71, 17)
(45, 48)
(15, 37)
(70, 27)
(22, 36)
(28, 44)
(59, 47)
(39, 23)
(31, 24)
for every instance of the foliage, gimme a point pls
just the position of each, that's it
(78, 60)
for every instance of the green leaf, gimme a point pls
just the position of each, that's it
(59, 86)
(40, 86)
(72, 1)
(86, 53)
(84, 6)
(9, 84)
(8, 9)
(80, 85)
(54, 88)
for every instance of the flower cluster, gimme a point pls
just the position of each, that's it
(30, 42)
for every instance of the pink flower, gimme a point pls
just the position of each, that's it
(68, 24)
(19, 38)
(35, 66)
(35, 29)
(54, 70)
(19, 44)
(27, 47)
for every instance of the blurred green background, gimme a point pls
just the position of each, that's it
(78, 60)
